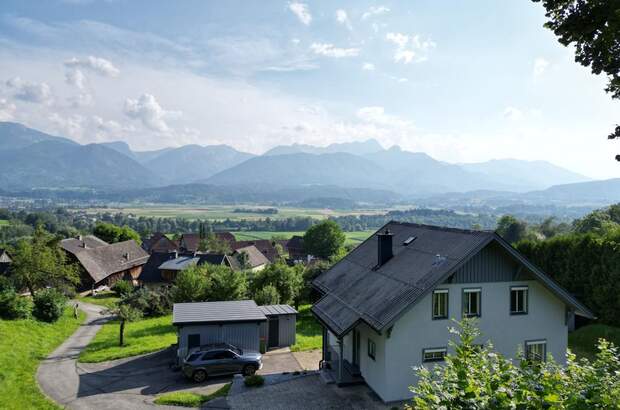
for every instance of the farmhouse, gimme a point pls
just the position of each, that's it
(241, 323)
(387, 305)
(159, 243)
(190, 242)
(252, 259)
(104, 264)
(5, 261)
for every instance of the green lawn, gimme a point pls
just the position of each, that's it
(143, 336)
(4, 222)
(583, 341)
(189, 399)
(309, 332)
(107, 299)
(23, 343)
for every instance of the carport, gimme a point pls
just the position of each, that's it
(201, 323)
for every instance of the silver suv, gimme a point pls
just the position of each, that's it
(220, 359)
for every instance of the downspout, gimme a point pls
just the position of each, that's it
(340, 359)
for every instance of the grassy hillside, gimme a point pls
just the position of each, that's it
(23, 344)
(583, 341)
(144, 336)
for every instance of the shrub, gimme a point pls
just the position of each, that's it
(49, 305)
(476, 377)
(267, 296)
(13, 306)
(256, 380)
(151, 303)
(122, 288)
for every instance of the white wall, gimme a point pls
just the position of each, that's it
(391, 374)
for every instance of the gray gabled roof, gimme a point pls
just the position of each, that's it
(355, 290)
(272, 310)
(104, 260)
(255, 257)
(216, 312)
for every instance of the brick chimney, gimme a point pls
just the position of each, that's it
(384, 248)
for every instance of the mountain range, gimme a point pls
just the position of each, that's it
(32, 159)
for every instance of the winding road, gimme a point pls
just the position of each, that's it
(121, 384)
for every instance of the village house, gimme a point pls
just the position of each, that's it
(5, 261)
(159, 243)
(103, 264)
(387, 305)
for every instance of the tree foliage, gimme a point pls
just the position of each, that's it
(225, 283)
(112, 233)
(287, 280)
(593, 28)
(190, 285)
(324, 239)
(587, 265)
(39, 262)
(511, 229)
(267, 296)
(476, 377)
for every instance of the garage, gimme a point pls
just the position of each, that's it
(280, 327)
(235, 322)
(240, 323)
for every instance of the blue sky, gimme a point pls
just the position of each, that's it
(464, 82)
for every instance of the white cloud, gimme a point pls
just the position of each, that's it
(377, 115)
(76, 77)
(540, 66)
(99, 65)
(368, 66)
(329, 50)
(302, 12)
(71, 126)
(513, 113)
(410, 49)
(147, 109)
(343, 18)
(375, 11)
(7, 109)
(29, 91)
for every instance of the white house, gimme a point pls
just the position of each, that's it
(387, 305)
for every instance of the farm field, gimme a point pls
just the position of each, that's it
(353, 238)
(4, 222)
(220, 212)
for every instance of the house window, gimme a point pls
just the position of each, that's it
(372, 349)
(440, 304)
(536, 350)
(518, 300)
(434, 355)
(471, 302)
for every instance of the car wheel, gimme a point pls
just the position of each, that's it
(249, 370)
(199, 376)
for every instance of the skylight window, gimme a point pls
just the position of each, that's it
(409, 240)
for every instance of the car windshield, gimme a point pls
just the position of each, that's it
(193, 357)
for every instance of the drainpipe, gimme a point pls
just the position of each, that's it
(340, 359)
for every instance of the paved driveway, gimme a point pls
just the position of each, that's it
(121, 384)
(306, 393)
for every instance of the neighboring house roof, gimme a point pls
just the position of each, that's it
(159, 242)
(272, 310)
(357, 290)
(4, 256)
(80, 243)
(216, 312)
(104, 260)
(183, 262)
(150, 271)
(255, 257)
(191, 241)
(265, 246)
